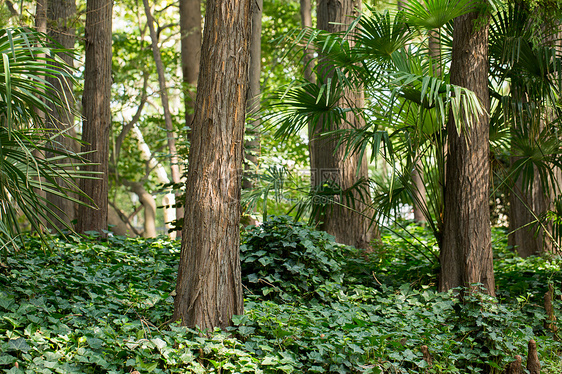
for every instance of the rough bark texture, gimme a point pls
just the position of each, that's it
(61, 14)
(209, 288)
(252, 149)
(515, 367)
(190, 28)
(466, 250)
(533, 363)
(550, 324)
(427, 356)
(327, 160)
(97, 114)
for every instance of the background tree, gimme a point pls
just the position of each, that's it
(96, 111)
(190, 29)
(61, 17)
(209, 289)
(329, 163)
(171, 136)
(252, 145)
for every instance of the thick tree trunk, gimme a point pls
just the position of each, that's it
(61, 15)
(252, 149)
(209, 287)
(190, 28)
(466, 250)
(174, 164)
(97, 113)
(343, 219)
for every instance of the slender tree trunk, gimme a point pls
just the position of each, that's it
(343, 219)
(190, 28)
(209, 287)
(174, 164)
(417, 171)
(252, 148)
(168, 199)
(61, 15)
(466, 250)
(149, 205)
(525, 206)
(306, 21)
(97, 113)
(120, 225)
(40, 26)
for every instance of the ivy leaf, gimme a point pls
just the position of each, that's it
(160, 344)
(19, 344)
(95, 343)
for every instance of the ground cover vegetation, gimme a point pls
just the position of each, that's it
(386, 85)
(311, 305)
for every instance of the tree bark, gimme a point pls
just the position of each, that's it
(190, 28)
(97, 113)
(171, 136)
(533, 363)
(419, 193)
(209, 287)
(60, 14)
(466, 249)
(524, 208)
(306, 21)
(252, 148)
(328, 162)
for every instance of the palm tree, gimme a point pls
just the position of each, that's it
(524, 59)
(407, 105)
(25, 168)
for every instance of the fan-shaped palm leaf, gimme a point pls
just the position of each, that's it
(25, 168)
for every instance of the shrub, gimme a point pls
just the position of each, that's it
(284, 259)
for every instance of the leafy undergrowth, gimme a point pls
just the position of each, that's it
(312, 307)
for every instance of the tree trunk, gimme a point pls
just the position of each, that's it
(343, 219)
(169, 199)
(527, 204)
(524, 208)
(97, 113)
(149, 205)
(306, 21)
(61, 15)
(466, 249)
(419, 193)
(209, 287)
(171, 136)
(252, 148)
(190, 28)
(120, 225)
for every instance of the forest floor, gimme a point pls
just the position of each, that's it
(312, 306)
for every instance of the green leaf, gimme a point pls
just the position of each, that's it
(19, 344)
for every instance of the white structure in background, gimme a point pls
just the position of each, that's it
(169, 199)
